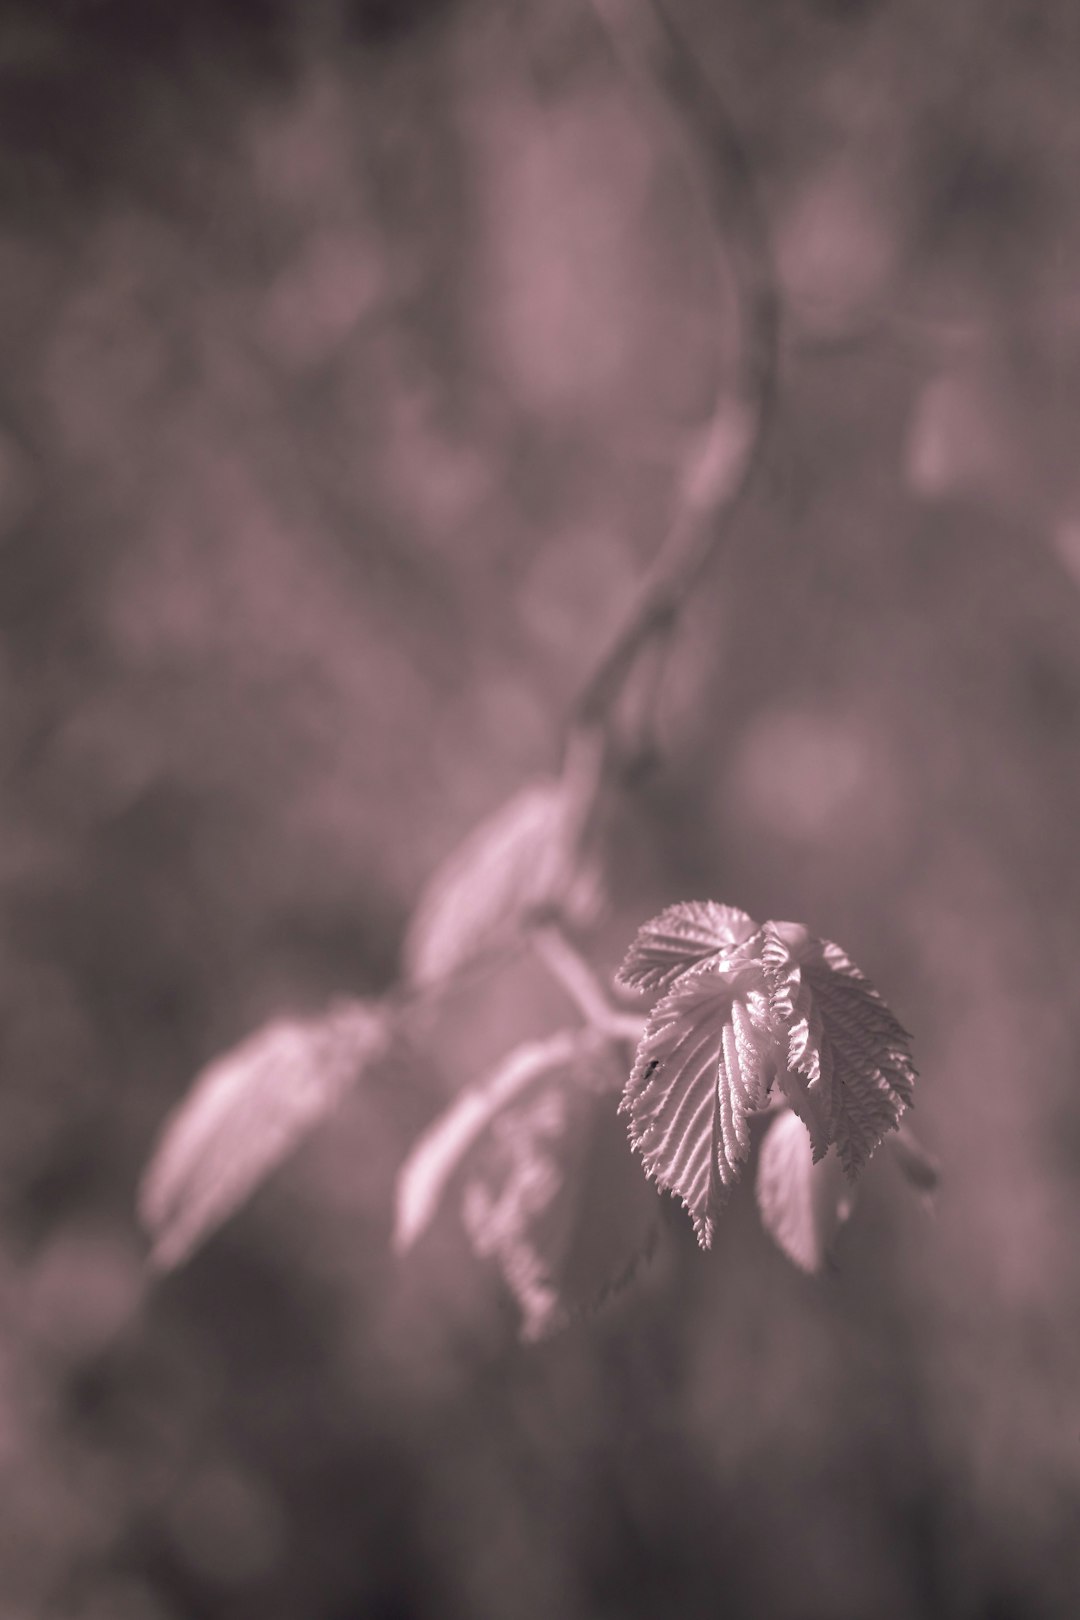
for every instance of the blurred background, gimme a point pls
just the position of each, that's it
(348, 354)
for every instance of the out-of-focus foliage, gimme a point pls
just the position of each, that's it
(436, 1158)
(245, 1113)
(536, 1167)
(518, 861)
(803, 1201)
(556, 1197)
(348, 352)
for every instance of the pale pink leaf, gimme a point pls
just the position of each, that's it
(555, 1198)
(808, 1090)
(849, 1072)
(549, 1191)
(704, 1065)
(852, 1052)
(518, 862)
(681, 937)
(244, 1114)
(803, 1203)
(438, 1154)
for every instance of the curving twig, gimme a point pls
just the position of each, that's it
(246, 1108)
(718, 473)
(570, 969)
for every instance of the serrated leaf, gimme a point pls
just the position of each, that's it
(555, 1198)
(808, 1091)
(244, 1114)
(781, 948)
(518, 861)
(803, 1202)
(681, 937)
(850, 1073)
(704, 1065)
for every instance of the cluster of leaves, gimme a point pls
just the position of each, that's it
(751, 1020)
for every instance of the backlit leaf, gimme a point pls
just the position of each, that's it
(437, 1155)
(679, 938)
(536, 1164)
(803, 1203)
(555, 1198)
(849, 1072)
(808, 1090)
(704, 1065)
(244, 1114)
(520, 860)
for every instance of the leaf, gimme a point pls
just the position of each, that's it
(803, 1203)
(497, 1222)
(555, 1198)
(705, 1063)
(681, 937)
(520, 860)
(434, 1158)
(549, 1190)
(244, 1114)
(849, 1071)
(807, 1090)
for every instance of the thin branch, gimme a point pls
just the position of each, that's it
(570, 969)
(719, 472)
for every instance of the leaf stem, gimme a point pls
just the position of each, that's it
(566, 964)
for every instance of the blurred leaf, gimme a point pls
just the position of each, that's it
(244, 1113)
(522, 859)
(436, 1155)
(555, 1198)
(679, 938)
(551, 1191)
(704, 1064)
(803, 1204)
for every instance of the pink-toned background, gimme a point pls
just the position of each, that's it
(348, 352)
